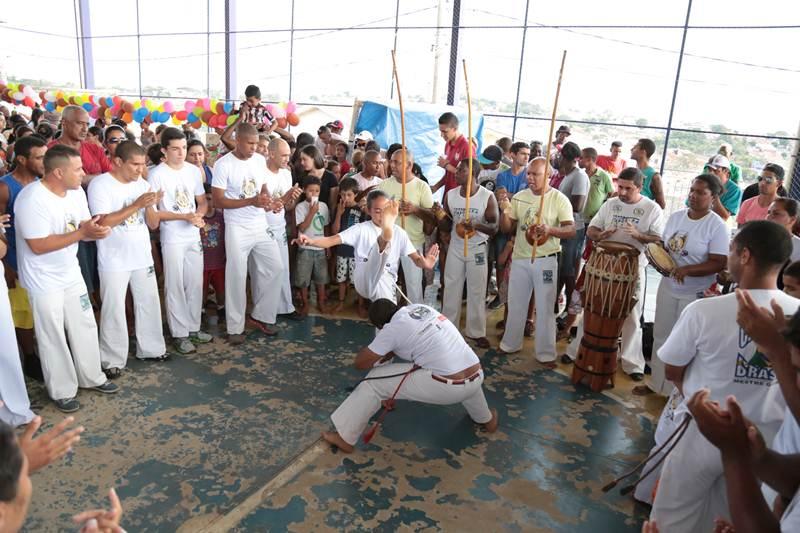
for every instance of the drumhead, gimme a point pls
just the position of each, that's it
(615, 247)
(659, 257)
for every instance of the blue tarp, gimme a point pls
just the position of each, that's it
(422, 130)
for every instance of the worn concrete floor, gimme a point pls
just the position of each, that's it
(227, 439)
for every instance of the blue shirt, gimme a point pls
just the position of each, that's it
(513, 184)
(14, 188)
(731, 197)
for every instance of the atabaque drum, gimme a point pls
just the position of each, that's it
(609, 294)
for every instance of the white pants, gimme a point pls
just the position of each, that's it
(241, 243)
(539, 277)
(669, 307)
(16, 409)
(371, 278)
(183, 286)
(691, 491)
(64, 370)
(285, 304)
(666, 426)
(352, 416)
(146, 312)
(413, 276)
(474, 269)
(631, 336)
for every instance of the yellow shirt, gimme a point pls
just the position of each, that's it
(419, 194)
(524, 209)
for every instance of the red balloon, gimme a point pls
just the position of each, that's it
(128, 107)
(62, 102)
(116, 100)
(220, 108)
(282, 122)
(28, 101)
(292, 119)
(41, 96)
(181, 115)
(197, 125)
(206, 116)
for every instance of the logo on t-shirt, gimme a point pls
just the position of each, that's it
(677, 243)
(135, 219)
(71, 223)
(757, 370)
(248, 188)
(182, 200)
(420, 312)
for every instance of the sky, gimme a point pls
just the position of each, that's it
(745, 79)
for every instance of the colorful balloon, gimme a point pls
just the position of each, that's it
(292, 119)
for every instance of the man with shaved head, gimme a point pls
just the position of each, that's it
(279, 185)
(369, 177)
(417, 209)
(240, 189)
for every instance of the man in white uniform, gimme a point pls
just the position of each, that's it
(448, 370)
(474, 266)
(707, 350)
(51, 217)
(180, 212)
(239, 188)
(632, 219)
(537, 277)
(279, 185)
(15, 407)
(418, 212)
(125, 203)
(378, 245)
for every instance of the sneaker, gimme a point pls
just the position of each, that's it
(496, 303)
(637, 376)
(184, 345)
(107, 388)
(200, 337)
(236, 340)
(263, 327)
(67, 405)
(112, 373)
(294, 315)
(565, 359)
(158, 359)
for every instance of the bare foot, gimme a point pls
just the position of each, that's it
(339, 307)
(491, 425)
(390, 211)
(362, 311)
(333, 438)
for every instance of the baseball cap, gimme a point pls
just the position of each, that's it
(492, 154)
(564, 128)
(719, 161)
(364, 136)
(336, 124)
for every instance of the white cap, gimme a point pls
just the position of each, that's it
(364, 136)
(719, 161)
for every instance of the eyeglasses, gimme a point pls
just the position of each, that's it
(768, 181)
(115, 140)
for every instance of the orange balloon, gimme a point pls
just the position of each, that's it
(292, 119)
(127, 117)
(197, 125)
(282, 122)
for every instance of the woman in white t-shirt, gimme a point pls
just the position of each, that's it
(784, 211)
(697, 239)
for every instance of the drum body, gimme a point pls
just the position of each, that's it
(609, 294)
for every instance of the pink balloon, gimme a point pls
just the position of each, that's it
(291, 107)
(168, 107)
(279, 112)
(206, 103)
(188, 106)
(93, 113)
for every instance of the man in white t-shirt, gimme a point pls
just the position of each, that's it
(125, 203)
(279, 185)
(240, 188)
(378, 245)
(368, 178)
(51, 217)
(442, 370)
(707, 350)
(632, 219)
(180, 212)
(418, 215)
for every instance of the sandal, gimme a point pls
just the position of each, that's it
(529, 327)
(482, 343)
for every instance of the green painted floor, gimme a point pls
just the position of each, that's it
(191, 443)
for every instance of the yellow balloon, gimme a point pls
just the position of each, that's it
(176, 120)
(137, 104)
(161, 108)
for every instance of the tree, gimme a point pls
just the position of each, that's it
(641, 122)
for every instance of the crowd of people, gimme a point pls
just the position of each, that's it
(100, 228)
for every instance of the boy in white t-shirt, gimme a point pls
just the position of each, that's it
(240, 188)
(180, 212)
(51, 217)
(378, 245)
(125, 203)
(706, 350)
(312, 219)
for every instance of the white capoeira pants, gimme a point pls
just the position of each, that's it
(413, 276)
(242, 242)
(371, 279)
(352, 416)
(669, 307)
(64, 370)
(691, 491)
(540, 277)
(146, 312)
(666, 426)
(285, 304)
(474, 269)
(16, 408)
(630, 351)
(183, 286)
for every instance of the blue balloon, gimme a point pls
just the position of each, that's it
(50, 106)
(191, 117)
(228, 107)
(140, 114)
(88, 106)
(109, 102)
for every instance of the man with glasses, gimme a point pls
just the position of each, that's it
(730, 198)
(755, 208)
(361, 140)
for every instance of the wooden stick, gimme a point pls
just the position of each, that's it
(402, 138)
(469, 140)
(547, 154)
